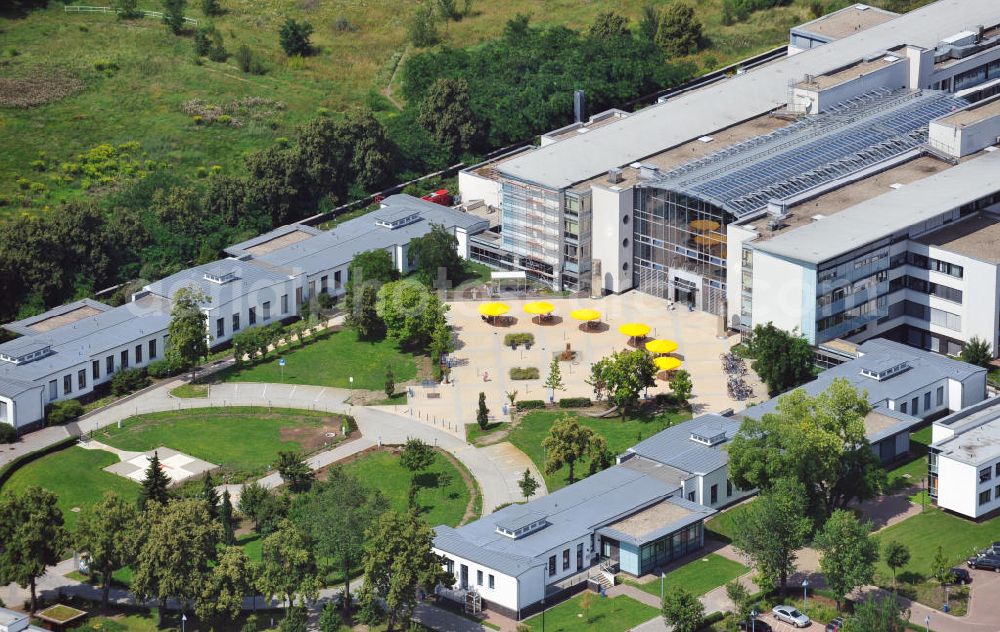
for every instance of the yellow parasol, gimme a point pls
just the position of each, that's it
(661, 346)
(667, 363)
(585, 314)
(493, 309)
(539, 308)
(634, 330)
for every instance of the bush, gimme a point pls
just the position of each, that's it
(422, 29)
(325, 301)
(58, 413)
(128, 381)
(575, 402)
(524, 373)
(247, 61)
(529, 404)
(511, 340)
(7, 433)
(159, 369)
(294, 38)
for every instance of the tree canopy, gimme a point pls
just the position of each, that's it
(99, 532)
(782, 359)
(849, 553)
(32, 537)
(446, 114)
(188, 334)
(410, 312)
(622, 376)
(819, 441)
(977, 351)
(682, 611)
(567, 443)
(436, 250)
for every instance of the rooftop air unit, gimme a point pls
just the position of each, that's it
(777, 212)
(615, 176)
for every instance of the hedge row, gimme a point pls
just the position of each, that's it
(529, 404)
(8, 470)
(574, 402)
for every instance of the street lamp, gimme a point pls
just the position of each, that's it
(805, 590)
(753, 620)
(663, 576)
(543, 614)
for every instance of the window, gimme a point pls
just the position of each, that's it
(998, 470)
(138, 354)
(479, 578)
(336, 280)
(915, 406)
(53, 390)
(492, 583)
(266, 309)
(579, 556)
(565, 559)
(729, 488)
(220, 328)
(252, 316)
(152, 349)
(552, 565)
(714, 494)
(996, 491)
(284, 304)
(124, 356)
(236, 323)
(940, 396)
(298, 296)
(67, 384)
(985, 474)
(81, 379)
(902, 408)
(109, 365)
(984, 497)
(323, 285)
(95, 369)
(691, 496)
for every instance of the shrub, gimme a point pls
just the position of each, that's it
(7, 433)
(422, 29)
(211, 7)
(159, 369)
(325, 301)
(128, 381)
(343, 25)
(518, 339)
(529, 404)
(294, 38)
(524, 373)
(58, 413)
(247, 61)
(575, 402)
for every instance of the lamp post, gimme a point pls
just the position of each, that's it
(543, 614)
(184, 619)
(753, 620)
(805, 590)
(663, 576)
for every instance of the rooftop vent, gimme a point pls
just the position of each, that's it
(615, 176)
(648, 172)
(705, 139)
(220, 275)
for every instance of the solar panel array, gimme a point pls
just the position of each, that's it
(851, 136)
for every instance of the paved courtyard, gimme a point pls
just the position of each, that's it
(178, 466)
(482, 362)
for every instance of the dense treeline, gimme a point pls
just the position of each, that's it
(460, 103)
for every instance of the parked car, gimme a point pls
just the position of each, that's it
(985, 562)
(789, 614)
(835, 626)
(961, 576)
(755, 626)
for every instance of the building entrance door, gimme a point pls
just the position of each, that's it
(463, 580)
(609, 548)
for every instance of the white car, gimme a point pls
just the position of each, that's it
(789, 614)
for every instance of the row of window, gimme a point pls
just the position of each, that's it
(463, 577)
(986, 473)
(926, 287)
(985, 496)
(927, 263)
(566, 560)
(265, 308)
(95, 369)
(913, 406)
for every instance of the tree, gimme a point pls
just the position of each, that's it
(174, 549)
(622, 376)
(390, 383)
(295, 620)
(365, 316)
(398, 559)
(226, 519)
(435, 250)
(272, 512)
(678, 30)
(528, 485)
(448, 9)
(228, 583)
(187, 340)
(772, 529)
(566, 443)
(336, 514)
(601, 457)
(208, 43)
(173, 15)
(782, 359)
(940, 568)
(609, 24)
(896, 555)
(288, 566)
(554, 381)
(294, 38)
(422, 29)
(416, 457)
(252, 499)
(482, 413)
(154, 484)
(741, 598)
(410, 312)
(210, 496)
(99, 532)
(877, 615)
(446, 113)
(210, 8)
(33, 537)
(295, 470)
(849, 553)
(650, 23)
(329, 619)
(682, 611)
(977, 351)
(680, 384)
(126, 9)
(369, 269)
(819, 441)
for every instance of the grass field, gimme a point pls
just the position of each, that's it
(136, 76)
(697, 577)
(331, 361)
(914, 470)
(76, 476)
(616, 614)
(721, 526)
(534, 427)
(443, 494)
(244, 441)
(473, 432)
(187, 391)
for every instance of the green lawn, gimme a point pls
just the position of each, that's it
(244, 441)
(190, 390)
(534, 427)
(720, 526)
(473, 432)
(331, 361)
(698, 576)
(615, 614)
(76, 476)
(914, 470)
(443, 495)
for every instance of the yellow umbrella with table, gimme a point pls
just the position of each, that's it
(492, 310)
(587, 316)
(634, 331)
(542, 309)
(661, 346)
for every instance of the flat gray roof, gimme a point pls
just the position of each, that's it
(248, 276)
(675, 447)
(977, 434)
(845, 22)
(977, 237)
(57, 316)
(734, 100)
(888, 213)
